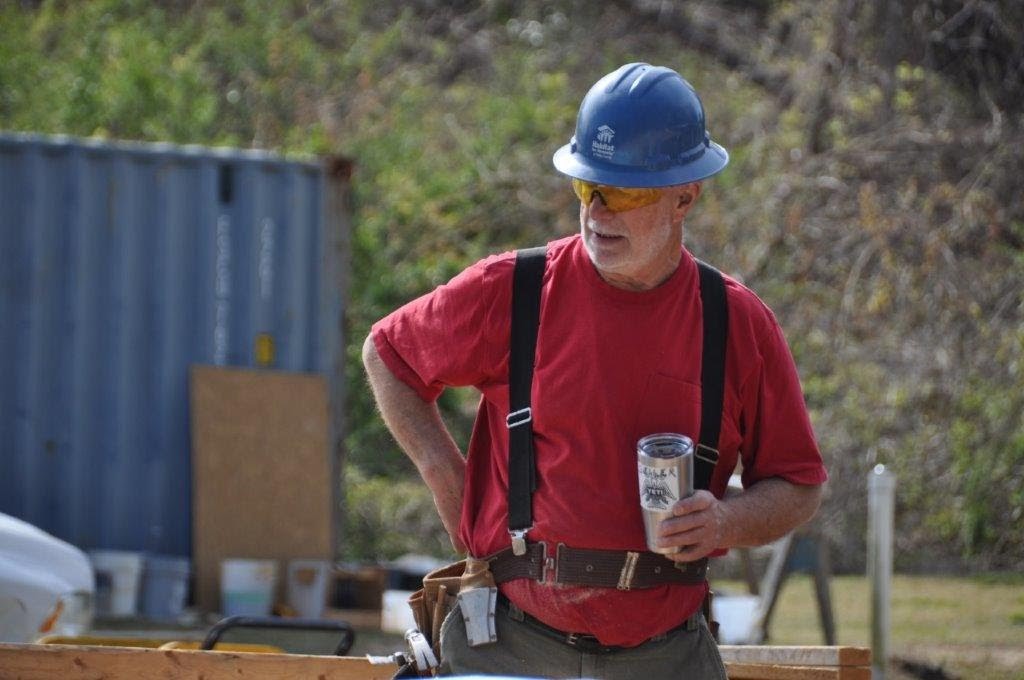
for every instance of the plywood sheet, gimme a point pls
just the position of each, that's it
(262, 479)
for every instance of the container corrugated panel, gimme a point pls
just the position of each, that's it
(120, 266)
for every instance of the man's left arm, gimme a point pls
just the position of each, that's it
(761, 514)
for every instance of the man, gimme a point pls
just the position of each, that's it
(618, 356)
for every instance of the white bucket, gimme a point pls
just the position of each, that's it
(247, 586)
(735, 616)
(396, 614)
(307, 586)
(117, 581)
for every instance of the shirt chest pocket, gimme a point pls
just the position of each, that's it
(669, 405)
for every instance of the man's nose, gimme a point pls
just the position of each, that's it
(597, 207)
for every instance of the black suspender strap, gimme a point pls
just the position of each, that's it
(526, 289)
(712, 372)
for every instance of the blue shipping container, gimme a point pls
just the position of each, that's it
(122, 264)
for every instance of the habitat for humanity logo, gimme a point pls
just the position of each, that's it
(602, 147)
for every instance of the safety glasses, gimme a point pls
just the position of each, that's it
(616, 199)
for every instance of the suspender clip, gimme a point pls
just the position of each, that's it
(518, 541)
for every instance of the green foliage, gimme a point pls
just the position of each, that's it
(386, 517)
(987, 442)
(108, 74)
(872, 200)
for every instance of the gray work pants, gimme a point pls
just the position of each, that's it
(523, 651)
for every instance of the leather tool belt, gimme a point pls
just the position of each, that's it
(624, 570)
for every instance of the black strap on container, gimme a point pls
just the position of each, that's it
(712, 372)
(526, 292)
(522, 481)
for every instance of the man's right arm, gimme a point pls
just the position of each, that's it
(423, 436)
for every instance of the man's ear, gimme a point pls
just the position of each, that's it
(688, 195)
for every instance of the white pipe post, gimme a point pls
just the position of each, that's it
(881, 495)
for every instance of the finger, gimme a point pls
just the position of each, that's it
(699, 500)
(680, 525)
(691, 519)
(685, 540)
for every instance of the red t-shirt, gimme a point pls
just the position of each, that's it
(611, 366)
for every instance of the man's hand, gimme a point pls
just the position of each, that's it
(766, 511)
(445, 484)
(698, 525)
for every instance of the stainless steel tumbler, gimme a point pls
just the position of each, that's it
(665, 470)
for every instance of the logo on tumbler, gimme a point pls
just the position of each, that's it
(655, 490)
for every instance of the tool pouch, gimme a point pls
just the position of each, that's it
(468, 582)
(431, 603)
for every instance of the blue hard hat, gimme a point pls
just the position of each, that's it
(641, 126)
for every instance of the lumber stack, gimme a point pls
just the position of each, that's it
(796, 663)
(48, 662)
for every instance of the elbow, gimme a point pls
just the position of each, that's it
(812, 500)
(369, 355)
(378, 375)
(373, 365)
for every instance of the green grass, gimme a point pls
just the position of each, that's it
(972, 627)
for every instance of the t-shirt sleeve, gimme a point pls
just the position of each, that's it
(779, 440)
(452, 336)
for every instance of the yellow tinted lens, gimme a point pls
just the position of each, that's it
(616, 199)
(583, 190)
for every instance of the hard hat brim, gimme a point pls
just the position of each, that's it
(576, 165)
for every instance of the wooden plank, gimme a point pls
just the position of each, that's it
(48, 662)
(796, 655)
(261, 471)
(756, 671)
